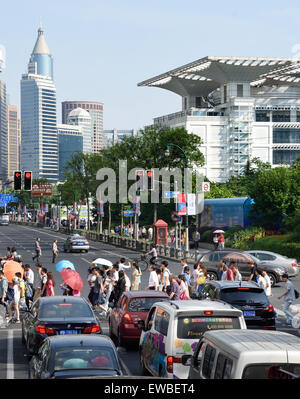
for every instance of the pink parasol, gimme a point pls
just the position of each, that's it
(72, 278)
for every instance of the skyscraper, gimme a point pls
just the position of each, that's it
(13, 140)
(80, 117)
(39, 148)
(95, 109)
(3, 133)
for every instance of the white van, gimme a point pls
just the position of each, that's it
(4, 219)
(173, 329)
(245, 354)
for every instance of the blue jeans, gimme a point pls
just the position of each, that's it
(289, 315)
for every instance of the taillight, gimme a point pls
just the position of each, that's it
(44, 329)
(269, 309)
(127, 318)
(170, 361)
(74, 243)
(294, 264)
(243, 289)
(208, 312)
(91, 329)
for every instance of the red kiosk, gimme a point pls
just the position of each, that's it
(161, 232)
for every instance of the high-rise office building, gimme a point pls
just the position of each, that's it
(95, 109)
(70, 141)
(80, 117)
(39, 145)
(13, 140)
(3, 133)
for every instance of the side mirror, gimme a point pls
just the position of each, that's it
(141, 325)
(186, 360)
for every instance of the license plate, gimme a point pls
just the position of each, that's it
(66, 332)
(80, 243)
(248, 312)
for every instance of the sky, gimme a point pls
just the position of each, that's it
(103, 49)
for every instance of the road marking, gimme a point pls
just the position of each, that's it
(10, 355)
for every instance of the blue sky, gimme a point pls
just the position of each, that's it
(102, 49)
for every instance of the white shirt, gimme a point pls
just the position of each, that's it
(29, 276)
(268, 285)
(91, 279)
(166, 275)
(153, 279)
(238, 277)
(127, 283)
(182, 287)
(261, 282)
(116, 275)
(17, 293)
(122, 266)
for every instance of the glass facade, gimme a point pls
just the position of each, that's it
(285, 156)
(286, 135)
(111, 137)
(14, 140)
(69, 142)
(3, 132)
(83, 120)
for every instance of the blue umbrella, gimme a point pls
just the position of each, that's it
(64, 264)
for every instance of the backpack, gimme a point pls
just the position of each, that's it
(28, 290)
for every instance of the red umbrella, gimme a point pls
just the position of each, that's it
(11, 268)
(72, 278)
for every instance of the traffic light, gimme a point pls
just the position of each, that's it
(27, 181)
(17, 180)
(150, 180)
(139, 178)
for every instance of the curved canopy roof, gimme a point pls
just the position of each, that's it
(41, 47)
(207, 74)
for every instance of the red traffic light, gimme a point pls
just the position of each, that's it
(149, 173)
(18, 174)
(28, 175)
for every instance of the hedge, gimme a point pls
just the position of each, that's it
(289, 249)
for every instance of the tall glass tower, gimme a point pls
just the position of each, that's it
(39, 149)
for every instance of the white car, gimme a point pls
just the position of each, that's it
(173, 329)
(289, 264)
(4, 220)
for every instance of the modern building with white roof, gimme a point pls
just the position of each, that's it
(241, 107)
(82, 118)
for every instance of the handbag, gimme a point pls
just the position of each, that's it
(296, 293)
(201, 280)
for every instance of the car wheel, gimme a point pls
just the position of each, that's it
(212, 275)
(29, 355)
(23, 337)
(86, 251)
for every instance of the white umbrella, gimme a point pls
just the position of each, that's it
(218, 231)
(102, 262)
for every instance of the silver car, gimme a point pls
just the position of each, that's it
(76, 243)
(291, 266)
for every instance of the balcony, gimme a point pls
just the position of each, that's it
(182, 115)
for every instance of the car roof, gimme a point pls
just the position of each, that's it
(146, 294)
(232, 284)
(62, 299)
(238, 342)
(192, 305)
(80, 340)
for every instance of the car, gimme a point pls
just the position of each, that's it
(57, 315)
(76, 356)
(248, 297)
(290, 264)
(132, 307)
(173, 329)
(211, 261)
(76, 243)
(244, 354)
(4, 220)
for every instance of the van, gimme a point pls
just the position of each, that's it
(247, 354)
(173, 329)
(4, 219)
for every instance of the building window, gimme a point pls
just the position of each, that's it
(240, 90)
(286, 136)
(285, 156)
(225, 94)
(281, 116)
(198, 102)
(262, 116)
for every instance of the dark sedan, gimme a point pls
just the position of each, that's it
(247, 296)
(57, 315)
(76, 356)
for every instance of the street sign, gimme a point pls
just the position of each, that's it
(191, 204)
(129, 213)
(41, 190)
(205, 187)
(170, 194)
(7, 198)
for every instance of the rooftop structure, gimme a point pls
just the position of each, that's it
(241, 107)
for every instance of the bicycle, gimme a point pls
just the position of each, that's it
(144, 263)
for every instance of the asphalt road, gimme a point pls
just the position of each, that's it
(13, 361)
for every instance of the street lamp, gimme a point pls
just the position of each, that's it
(167, 153)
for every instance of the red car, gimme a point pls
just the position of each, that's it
(132, 307)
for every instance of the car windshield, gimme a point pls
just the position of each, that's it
(194, 326)
(85, 358)
(256, 260)
(65, 310)
(143, 304)
(244, 296)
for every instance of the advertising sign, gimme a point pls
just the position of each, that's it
(181, 205)
(41, 190)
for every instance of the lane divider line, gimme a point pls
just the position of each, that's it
(10, 355)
